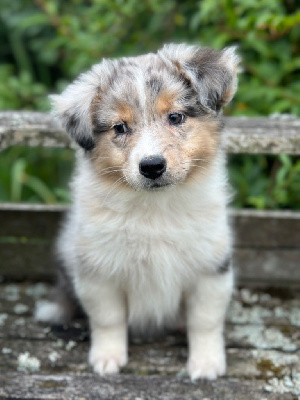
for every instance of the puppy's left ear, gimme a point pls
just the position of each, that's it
(73, 108)
(213, 74)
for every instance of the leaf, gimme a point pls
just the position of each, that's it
(17, 179)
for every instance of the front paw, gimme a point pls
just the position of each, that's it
(207, 365)
(107, 361)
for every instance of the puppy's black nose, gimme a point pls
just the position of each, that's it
(153, 167)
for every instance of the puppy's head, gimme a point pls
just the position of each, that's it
(151, 121)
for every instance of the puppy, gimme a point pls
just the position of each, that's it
(147, 239)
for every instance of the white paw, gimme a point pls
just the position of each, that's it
(107, 361)
(207, 366)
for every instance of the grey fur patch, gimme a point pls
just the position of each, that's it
(211, 73)
(72, 126)
(155, 84)
(63, 294)
(87, 143)
(224, 266)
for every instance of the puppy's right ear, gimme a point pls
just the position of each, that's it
(73, 108)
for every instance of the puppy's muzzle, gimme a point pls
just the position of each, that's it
(153, 167)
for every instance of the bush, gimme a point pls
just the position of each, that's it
(35, 175)
(46, 43)
(49, 42)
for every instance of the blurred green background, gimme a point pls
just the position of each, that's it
(47, 43)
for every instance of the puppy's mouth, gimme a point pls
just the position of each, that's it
(157, 184)
(165, 182)
(148, 185)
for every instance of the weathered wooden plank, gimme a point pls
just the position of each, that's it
(31, 128)
(242, 134)
(252, 228)
(266, 229)
(262, 135)
(244, 336)
(267, 266)
(272, 307)
(35, 261)
(26, 260)
(265, 242)
(30, 220)
(17, 385)
(145, 359)
(262, 336)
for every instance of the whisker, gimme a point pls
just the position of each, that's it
(109, 172)
(111, 167)
(115, 185)
(198, 159)
(198, 166)
(103, 172)
(195, 159)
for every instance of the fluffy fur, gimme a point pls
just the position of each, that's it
(142, 251)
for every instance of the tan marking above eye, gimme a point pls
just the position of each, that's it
(165, 102)
(125, 113)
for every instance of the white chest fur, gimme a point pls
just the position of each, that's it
(152, 244)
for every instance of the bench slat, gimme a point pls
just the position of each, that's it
(77, 386)
(241, 134)
(253, 228)
(267, 243)
(35, 261)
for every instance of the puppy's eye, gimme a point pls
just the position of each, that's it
(121, 128)
(176, 118)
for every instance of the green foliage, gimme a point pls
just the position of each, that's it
(21, 91)
(268, 35)
(46, 43)
(49, 42)
(38, 175)
(41, 175)
(265, 182)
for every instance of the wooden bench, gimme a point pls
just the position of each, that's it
(263, 334)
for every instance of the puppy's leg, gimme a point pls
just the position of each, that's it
(106, 307)
(206, 308)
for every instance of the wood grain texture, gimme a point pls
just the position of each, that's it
(35, 261)
(267, 243)
(253, 228)
(126, 387)
(266, 229)
(241, 134)
(262, 337)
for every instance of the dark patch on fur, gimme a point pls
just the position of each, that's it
(186, 81)
(150, 70)
(155, 85)
(195, 110)
(100, 128)
(128, 74)
(191, 104)
(215, 100)
(221, 124)
(211, 75)
(224, 266)
(122, 63)
(72, 124)
(87, 143)
(63, 293)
